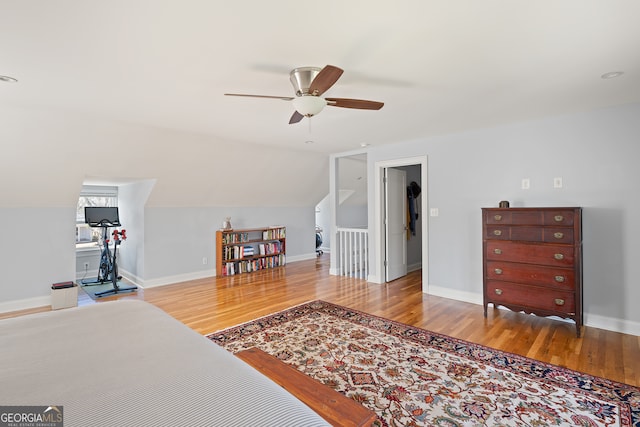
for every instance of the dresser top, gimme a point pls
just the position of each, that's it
(546, 208)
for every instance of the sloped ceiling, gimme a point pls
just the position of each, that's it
(46, 156)
(439, 67)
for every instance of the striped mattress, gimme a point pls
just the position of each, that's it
(128, 363)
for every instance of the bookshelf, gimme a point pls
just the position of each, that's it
(241, 251)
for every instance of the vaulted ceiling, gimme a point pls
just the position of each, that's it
(439, 67)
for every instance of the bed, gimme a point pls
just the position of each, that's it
(128, 363)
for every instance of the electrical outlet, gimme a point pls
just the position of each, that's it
(526, 183)
(557, 182)
(86, 266)
(204, 260)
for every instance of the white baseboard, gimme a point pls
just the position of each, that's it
(612, 324)
(463, 296)
(24, 304)
(590, 320)
(131, 278)
(378, 280)
(170, 280)
(414, 267)
(203, 274)
(302, 257)
(372, 278)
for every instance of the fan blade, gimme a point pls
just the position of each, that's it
(360, 104)
(295, 118)
(284, 98)
(325, 79)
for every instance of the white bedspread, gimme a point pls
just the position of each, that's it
(127, 363)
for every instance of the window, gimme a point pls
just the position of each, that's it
(93, 195)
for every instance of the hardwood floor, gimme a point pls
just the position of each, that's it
(208, 305)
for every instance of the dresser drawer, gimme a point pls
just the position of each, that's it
(553, 277)
(525, 233)
(552, 255)
(530, 296)
(498, 232)
(557, 235)
(559, 217)
(513, 216)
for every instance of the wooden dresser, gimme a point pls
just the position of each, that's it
(532, 261)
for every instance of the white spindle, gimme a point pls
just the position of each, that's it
(353, 246)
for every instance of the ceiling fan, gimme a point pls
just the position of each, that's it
(309, 84)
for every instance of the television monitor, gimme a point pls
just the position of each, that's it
(101, 217)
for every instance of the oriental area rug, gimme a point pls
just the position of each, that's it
(412, 377)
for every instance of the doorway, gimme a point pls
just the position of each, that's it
(379, 246)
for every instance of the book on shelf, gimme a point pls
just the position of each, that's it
(274, 233)
(251, 265)
(238, 252)
(270, 248)
(234, 237)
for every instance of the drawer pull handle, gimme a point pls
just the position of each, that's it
(497, 232)
(497, 217)
(558, 218)
(497, 251)
(559, 279)
(498, 291)
(498, 270)
(559, 301)
(558, 235)
(558, 256)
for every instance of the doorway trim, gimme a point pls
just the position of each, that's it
(377, 275)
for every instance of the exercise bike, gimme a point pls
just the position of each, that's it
(108, 270)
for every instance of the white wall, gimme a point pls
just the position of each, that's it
(352, 216)
(177, 239)
(596, 154)
(38, 249)
(131, 201)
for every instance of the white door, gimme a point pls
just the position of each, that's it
(395, 191)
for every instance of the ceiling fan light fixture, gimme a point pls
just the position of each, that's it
(309, 105)
(302, 77)
(310, 83)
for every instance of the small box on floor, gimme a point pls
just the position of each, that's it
(64, 295)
